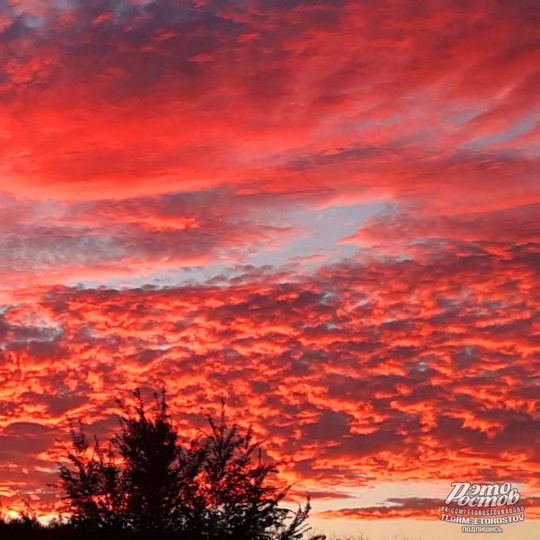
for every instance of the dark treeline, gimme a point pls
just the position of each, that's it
(146, 482)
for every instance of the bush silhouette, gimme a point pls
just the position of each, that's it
(145, 481)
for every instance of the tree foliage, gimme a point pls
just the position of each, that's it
(93, 483)
(146, 480)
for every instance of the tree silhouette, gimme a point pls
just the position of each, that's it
(240, 498)
(158, 472)
(216, 486)
(93, 485)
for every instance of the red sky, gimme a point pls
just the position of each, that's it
(326, 212)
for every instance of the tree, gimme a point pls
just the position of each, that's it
(240, 497)
(216, 486)
(158, 472)
(93, 485)
(139, 483)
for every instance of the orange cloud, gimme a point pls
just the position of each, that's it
(390, 371)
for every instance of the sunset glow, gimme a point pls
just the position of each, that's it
(325, 212)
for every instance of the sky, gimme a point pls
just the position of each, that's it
(326, 212)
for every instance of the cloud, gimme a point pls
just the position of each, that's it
(142, 137)
(73, 242)
(146, 136)
(411, 507)
(141, 99)
(363, 372)
(414, 507)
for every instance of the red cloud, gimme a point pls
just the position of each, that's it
(392, 371)
(140, 137)
(170, 98)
